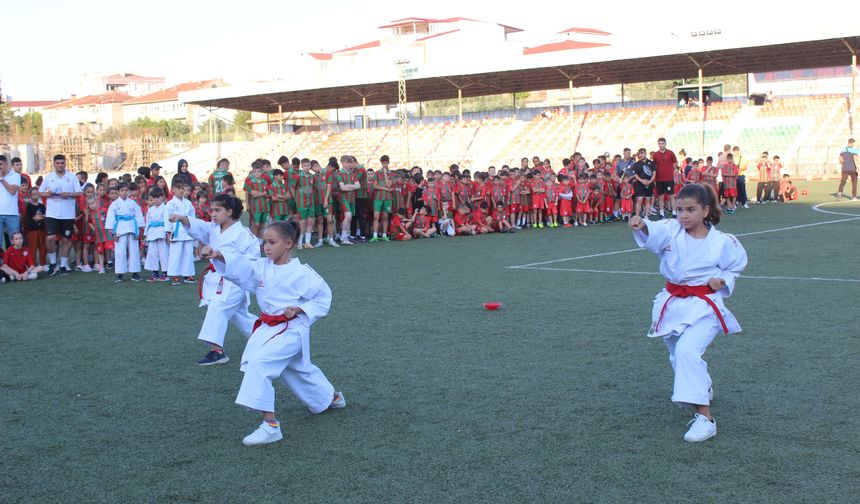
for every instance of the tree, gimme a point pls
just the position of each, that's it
(30, 124)
(7, 119)
(242, 120)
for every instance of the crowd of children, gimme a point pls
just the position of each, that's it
(119, 220)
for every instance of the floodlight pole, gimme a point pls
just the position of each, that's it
(701, 111)
(280, 119)
(853, 90)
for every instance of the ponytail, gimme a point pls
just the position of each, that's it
(288, 229)
(704, 195)
(230, 203)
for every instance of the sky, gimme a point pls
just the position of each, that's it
(49, 45)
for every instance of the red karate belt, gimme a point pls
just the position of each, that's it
(272, 321)
(685, 291)
(200, 279)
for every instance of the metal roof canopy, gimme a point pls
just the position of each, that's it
(768, 58)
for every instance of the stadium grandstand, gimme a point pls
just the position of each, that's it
(421, 60)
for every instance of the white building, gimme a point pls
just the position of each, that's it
(21, 108)
(86, 117)
(127, 83)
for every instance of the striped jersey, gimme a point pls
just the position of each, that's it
(382, 179)
(305, 190)
(279, 208)
(260, 203)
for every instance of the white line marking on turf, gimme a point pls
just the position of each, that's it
(654, 273)
(815, 208)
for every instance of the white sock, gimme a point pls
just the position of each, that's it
(384, 235)
(52, 258)
(374, 234)
(307, 237)
(64, 262)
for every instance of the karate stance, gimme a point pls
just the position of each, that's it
(226, 301)
(125, 222)
(701, 265)
(292, 296)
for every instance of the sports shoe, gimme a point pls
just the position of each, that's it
(101, 270)
(710, 393)
(339, 401)
(64, 271)
(213, 357)
(385, 238)
(52, 270)
(345, 241)
(118, 279)
(701, 429)
(79, 267)
(318, 244)
(189, 280)
(838, 196)
(746, 205)
(568, 225)
(87, 268)
(153, 278)
(373, 240)
(308, 246)
(136, 277)
(163, 278)
(854, 198)
(265, 433)
(175, 281)
(540, 225)
(333, 243)
(584, 224)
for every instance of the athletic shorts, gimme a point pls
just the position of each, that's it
(730, 193)
(321, 211)
(551, 209)
(291, 204)
(382, 206)
(582, 208)
(667, 187)
(643, 191)
(281, 218)
(103, 247)
(306, 213)
(347, 206)
(60, 227)
(626, 206)
(259, 217)
(538, 203)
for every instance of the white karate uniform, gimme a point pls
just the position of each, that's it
(271, 353)
(156, 243)
(688, 325)
(124, 218)
(181, 256)
(226, 301)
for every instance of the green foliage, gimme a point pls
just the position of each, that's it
(7, 120)
(475, 104)
(242, 120)
(174, 130)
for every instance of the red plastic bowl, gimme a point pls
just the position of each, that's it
(492, 306)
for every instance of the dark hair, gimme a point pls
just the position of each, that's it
(704, 195)
(2, 158)
(222, 161)
(288, 229)
(384, 158)
(178, 183)
(179, 165)
(296, 161)
(16, 160)
(156, 192)
(121, 185)
(144, 172)
(139, 179)
(228, 179)
(266, 162)
(101, 177)
(60, 157)
(230, 203)
(277, 172)
(257, 165)
(306, 160)
(283, 159)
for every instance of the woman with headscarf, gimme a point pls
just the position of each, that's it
(183, 174)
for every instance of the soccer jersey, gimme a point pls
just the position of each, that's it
(203, 212)
(320, 183)
(278, 208)
(626, 191)
(499, 193)
(730, 176)
(432, 200)
(445, 190)
(346, 177)
(679, 179)
(18, 259)
(260, 203)
(305, 190)
(96, 224)
(382, 179)
(216, 182)
(582, 192)
(361, 178)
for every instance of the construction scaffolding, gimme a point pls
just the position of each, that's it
(142, 151)
(81, 153)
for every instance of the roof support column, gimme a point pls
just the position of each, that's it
(460, 102)
(701, 113)
(853, 90)
(280, 119)
(363, 112)
(570, 96)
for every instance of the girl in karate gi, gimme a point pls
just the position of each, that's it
(226, 301)
(292, 296)
(125, 222)
(701, 265)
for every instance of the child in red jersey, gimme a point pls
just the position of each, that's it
(463, 222)
(18, 262)
(595, 197)
(538, 201)
(608, 199)
(525, 191)
(432, 201)
(481, 218)
(500, 218)
(565, 197)
(422, 226)
(583, 209)
(694, 174)
(400, 226)
(626, 198)
(513, 199)
(96, 228)
(730, 183)
(551, 196)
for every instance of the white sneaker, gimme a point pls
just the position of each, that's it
(711, 393)
(333, 243)
(86, 268)
(318, 244)
(700, 429)
(101, 270)
(338, 403)
(746, 205)
(265, 433)
(345, 241)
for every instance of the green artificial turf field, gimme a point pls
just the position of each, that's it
(557, 397)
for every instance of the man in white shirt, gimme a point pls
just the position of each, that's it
(60, 190)
(10, 183)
